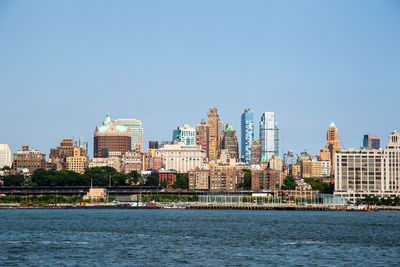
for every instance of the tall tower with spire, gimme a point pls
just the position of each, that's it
(332, 146)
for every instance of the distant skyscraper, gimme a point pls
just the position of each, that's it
(230, 143)
(202, 133)
(111, 139)
(153, 144)
(290, 158)
(136, 129)
(255, 152)
(5, 155)
(269, 136)
(213, 140)
(185, 134)
(84, 144)
(247, 134)
(371, 142)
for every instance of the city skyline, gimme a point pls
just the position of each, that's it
(299, 61)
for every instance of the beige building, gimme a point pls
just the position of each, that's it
(78, 162)
(296, 170)
(275, 163)
(332, 146)
(369, 172)
(181, 157)
(199, 179)
(5, 156)
(213, 140)
(96, 193)
(311, 169)
(114, 162)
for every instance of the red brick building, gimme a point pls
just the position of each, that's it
(202, 133)
(168, 176)
(110, 138)
(266, 180)
(132, 161)
(29, 159)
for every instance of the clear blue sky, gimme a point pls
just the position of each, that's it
(65, 64)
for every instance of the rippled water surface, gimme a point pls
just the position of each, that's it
(198, 237)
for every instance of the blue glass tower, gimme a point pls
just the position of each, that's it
(247, 135)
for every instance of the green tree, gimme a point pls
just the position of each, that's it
(247, 179)
(6, 168)
(182, 181)
(13, 180)
(133, 177)
(289, 183)
(150, 180)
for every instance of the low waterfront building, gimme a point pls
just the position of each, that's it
(30, 159)
(96, 194)
(181, 157)
(167, 176)
(298, 194)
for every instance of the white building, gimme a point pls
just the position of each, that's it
(114, 162)
(185, 134)
(326, 168)
(5, 155)
(373, 172)
(269, 136)
(181, 157)
(136, 129)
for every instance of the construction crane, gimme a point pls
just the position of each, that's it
(341, 143)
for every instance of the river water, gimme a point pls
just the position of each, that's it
(121, 237)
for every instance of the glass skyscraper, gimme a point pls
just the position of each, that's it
(136, 131)
(247, 135)
(269, 136)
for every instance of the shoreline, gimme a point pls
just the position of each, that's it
(210, 206)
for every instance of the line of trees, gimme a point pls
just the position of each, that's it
(96, 176)
(374, 200)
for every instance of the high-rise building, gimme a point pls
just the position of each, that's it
(30, 159)
(229, 142)
(213, 140)
(247, 134)
(202, 134)
(185, 134)
(371, 142)
(369, 172)
(255, 152)
(332, 146)
(269, 136)
(136, 130)
(111, 139)
(78, 162)
(5, 156)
